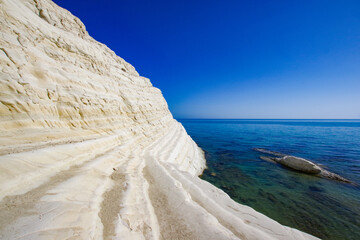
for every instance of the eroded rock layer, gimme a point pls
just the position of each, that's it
(89, 149)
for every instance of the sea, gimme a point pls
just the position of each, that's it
(324, 208)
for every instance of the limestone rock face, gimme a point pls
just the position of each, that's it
(89, 149)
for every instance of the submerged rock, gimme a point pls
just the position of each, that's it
(262, 150)
(300, 165)
(326, 174)
(269, 159)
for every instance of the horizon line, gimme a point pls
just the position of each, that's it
(267, 118)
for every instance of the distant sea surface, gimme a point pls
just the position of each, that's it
(324, 208)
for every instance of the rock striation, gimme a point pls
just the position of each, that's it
(89, 149)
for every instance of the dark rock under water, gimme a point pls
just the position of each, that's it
(262, 150)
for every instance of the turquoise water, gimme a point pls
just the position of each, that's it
(321, 207)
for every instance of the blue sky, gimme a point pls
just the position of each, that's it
(238, 59)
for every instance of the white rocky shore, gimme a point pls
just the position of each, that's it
(89, 149)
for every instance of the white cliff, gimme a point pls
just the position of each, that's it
(89, 149)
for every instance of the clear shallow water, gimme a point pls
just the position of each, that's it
(321, 207)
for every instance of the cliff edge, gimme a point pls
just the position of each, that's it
(89, 149)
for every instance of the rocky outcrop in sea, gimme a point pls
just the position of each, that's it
(300, 165)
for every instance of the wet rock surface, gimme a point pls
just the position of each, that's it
(300, 165)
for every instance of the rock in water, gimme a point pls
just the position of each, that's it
(269, 159)
(299, 164)
(262, 150)
(326, 174)
(90, 150)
